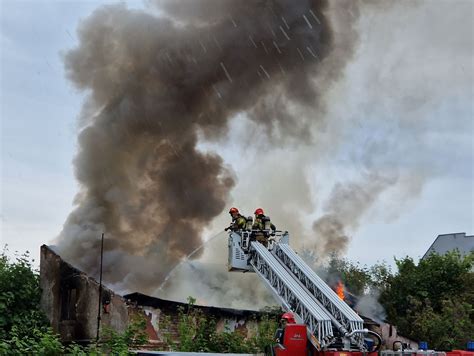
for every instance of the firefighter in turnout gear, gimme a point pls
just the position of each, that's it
(263, 224)
(287, 318)
(238, 221)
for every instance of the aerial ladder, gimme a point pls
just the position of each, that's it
(330, 323)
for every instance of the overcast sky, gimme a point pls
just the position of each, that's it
(39, 110)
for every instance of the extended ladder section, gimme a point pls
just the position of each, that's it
(343, 317)
(330, 321)
(292, 295)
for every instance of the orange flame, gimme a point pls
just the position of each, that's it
(340, 290)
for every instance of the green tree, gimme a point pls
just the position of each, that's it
(24, 328)
(451, 325)
(380, 276)
(432, 300)
(19, 296)
(40, 341)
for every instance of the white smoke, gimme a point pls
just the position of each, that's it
(368, 305)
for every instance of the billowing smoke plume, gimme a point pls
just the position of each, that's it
(346, 205)
(275, 88)
(156, 84)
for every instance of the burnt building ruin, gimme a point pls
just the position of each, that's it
(70, 299)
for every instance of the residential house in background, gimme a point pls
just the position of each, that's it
(450, 242)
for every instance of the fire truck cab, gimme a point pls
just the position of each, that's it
(294, 341)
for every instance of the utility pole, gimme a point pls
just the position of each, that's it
(100, 286)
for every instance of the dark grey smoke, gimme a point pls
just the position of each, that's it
(346, 205)
(156, 84)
